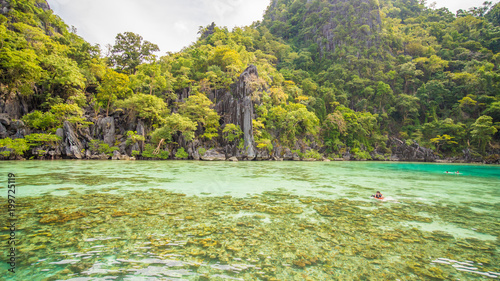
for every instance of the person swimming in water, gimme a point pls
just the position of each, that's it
(378, 195)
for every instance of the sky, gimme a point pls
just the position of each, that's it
(171, 24)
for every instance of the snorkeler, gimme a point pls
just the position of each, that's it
(378, 195)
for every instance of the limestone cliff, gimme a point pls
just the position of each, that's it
(236, 107)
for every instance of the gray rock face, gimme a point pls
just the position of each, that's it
(60, 133)
(72, 144)
(4, 7)
(15, 105)
(4, 119)
(3, 132)
(262, 155)
(106, 128)
(414, 152)
(20, 129)
(236, 107)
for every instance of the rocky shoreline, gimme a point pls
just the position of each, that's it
(234, 105)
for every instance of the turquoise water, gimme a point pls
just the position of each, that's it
(351, 180)
(158, 220)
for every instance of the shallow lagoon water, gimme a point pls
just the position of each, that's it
(184, 220)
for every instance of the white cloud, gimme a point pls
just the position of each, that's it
(171, 24)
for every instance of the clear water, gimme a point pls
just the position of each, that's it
(183, 220)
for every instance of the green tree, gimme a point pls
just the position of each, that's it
(17, 146)
(483, 131)
(152, 78)
(181, 153)
(62, 75)
(407, 106)
(493, 110)
(232, 132)
(133, 137)
(148, 107)
(442, 140)
(130, 51)
(197, 107)
(114, 85)
(384, 94)
(19, 69)
(174, 123)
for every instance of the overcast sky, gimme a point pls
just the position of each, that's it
(171, 24)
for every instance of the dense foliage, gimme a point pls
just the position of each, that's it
(336, 76)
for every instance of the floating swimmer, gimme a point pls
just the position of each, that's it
(378, 195)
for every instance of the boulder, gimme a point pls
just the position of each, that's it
(101, 156)
(233, 159)
(213, 155)
(262, 155)
(116, 155)
(4, 119)
(125, 157)
(88, 154)
(19, 127)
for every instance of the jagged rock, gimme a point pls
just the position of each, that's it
(233, 159)
(236, 107)
(106, 128)
(88, 154)
(3, 132)
(19, 128)
(401, 151)
(287, 155)
(15, 105)
(213, 155)
(60, 133)
(101, 156)
(140, 128)
(195, 154)
(116, 155)
(4, 119)
(135, 147)
(72, 145)
(262, 155)
(125, 157)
